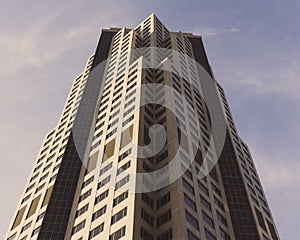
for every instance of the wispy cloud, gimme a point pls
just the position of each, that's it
(33, 48)
(276, 171)
(210, 31)
(261, 77)
(284, 81)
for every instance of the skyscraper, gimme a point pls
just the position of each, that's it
(145, 148)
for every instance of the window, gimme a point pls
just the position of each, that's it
(129, 111)
(128, 120)
(224, 235)
(25, 198)
(203, 188)
(147, 217)
(208, 219)
(34, 177)
(125, 154)
(191, 236)
(145, 235)
(36, 231)
(99, 213)
(122, 182)
(114, 100)
(147, 200)
(44, 177)
(40, 188)
(190, 202)
(209, 235)
(26, 227)
(53, 178)
(105, 169)
(165, 217)
(111, 133)
(188, 186)
(216, 190)
(221, 218)
(219, 203)
(272, 230)
(12, 236)
(123, 168)
(260, 219)
(187, 172)
(167, 235)
(205, 203)
(81, 210)
(103, 182)
(119, 215)
(128, 95)
(115, 106)
(126, 136)
(120, 198)
(24, 238)
(40, 217)
(101, 197)
(87, 182)
(131, 87)
(51, 157)
(109, 150)
(30, 187)
(47, 167)
(78, 227)
(96, 231)
(193, 221)
(129, 102)
(112, 124)
(163, 200)
(264, 237)
(118, 234)
(56, 167)
(162, 156)
(85, 195)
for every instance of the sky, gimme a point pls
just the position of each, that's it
(253, 47)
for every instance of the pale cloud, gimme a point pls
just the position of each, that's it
(29, 49)
(44, 42)
(278, 171)
(255, 81)
(284, 81)
(210, 31)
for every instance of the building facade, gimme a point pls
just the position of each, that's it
(91, 180)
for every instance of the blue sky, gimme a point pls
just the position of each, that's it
(253, 47)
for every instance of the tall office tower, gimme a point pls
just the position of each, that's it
(108, 171)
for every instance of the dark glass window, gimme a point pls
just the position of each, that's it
(190, 202)
(119, 215)
(188, 186)
(167, 235)
(101, 197)
(78, 227)
(120, 198)
(191, 236)
(118, 234)
(165, 217)
(96, 231)
(163, 200)
(208, 219)
(99, 213)
(205, 203)
(193, 221)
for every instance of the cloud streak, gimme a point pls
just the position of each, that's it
(29, 49)
(210, 31)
